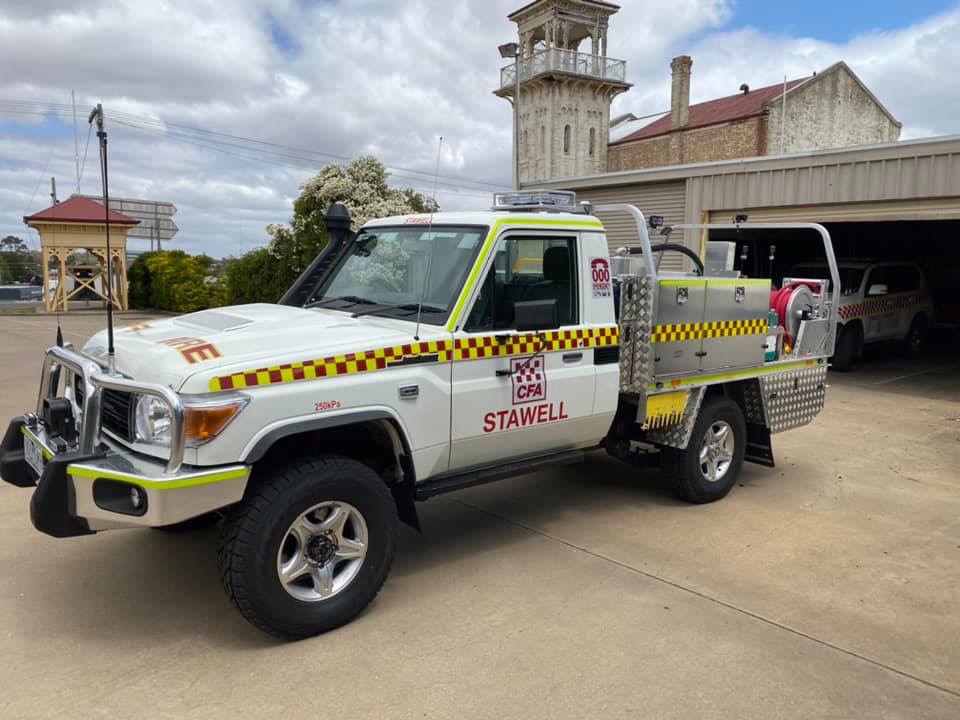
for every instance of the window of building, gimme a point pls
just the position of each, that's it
(524, 148)
(593, 141)
(527, 268)
(566, 139)
(543, 139)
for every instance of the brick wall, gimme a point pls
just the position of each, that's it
(742, 138)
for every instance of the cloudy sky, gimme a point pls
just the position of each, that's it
(332, 79)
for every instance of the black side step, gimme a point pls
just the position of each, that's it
(460, 481)
(759, 448)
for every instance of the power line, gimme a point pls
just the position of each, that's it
(84, 162)
(211, 137)
(288, 160)
(309, 157)
(289, 148)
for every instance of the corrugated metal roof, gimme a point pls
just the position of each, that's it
(725, 109)
(79, 210)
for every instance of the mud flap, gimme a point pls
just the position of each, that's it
(759, 447)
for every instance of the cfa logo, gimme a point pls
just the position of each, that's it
(529, 380)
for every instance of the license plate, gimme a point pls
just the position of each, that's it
(33, 455)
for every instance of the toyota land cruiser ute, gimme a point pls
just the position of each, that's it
(419, 355)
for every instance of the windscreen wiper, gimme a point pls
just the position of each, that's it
(412, 307)
(349, 299)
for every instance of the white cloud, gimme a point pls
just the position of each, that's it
(381, 76)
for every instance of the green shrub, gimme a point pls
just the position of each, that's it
(172, 280)
(255, 277)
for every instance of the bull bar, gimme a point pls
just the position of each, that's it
(96, 379)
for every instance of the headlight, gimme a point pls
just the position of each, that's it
(152, 421)
(204, 418)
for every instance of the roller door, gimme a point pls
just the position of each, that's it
(934, 209)
(667, 199)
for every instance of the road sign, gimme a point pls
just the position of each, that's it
(155, 216)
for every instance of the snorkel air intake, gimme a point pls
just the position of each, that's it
(337, 221)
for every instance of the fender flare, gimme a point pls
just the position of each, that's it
(268, 440)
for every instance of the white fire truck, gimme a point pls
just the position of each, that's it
(420, 355)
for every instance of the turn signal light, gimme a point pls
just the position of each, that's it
(204, 423)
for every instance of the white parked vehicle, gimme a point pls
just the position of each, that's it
(420, 355)
(878, 301)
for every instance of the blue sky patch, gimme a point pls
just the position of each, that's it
(286, 43)
(51, 126)
(830, 20)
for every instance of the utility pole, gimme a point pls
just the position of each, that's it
(76, 142)
(53, 190)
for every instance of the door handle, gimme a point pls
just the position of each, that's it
(572, 357)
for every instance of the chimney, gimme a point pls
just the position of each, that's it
(680, 91)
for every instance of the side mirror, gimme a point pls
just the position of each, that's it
(533, 315)
(877, 289)
(366, 244)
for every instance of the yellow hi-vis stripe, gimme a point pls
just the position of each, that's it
(202, 478)
(474, 347)
(683, 332)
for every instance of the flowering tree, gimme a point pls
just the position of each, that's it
(361, 185)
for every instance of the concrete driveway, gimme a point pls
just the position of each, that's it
(828, 587)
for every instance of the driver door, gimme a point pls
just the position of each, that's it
(523, 394)
(879, 321)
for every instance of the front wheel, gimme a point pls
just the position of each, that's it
(708, 468)
(310, 547)
(849, 347)
(916, 337)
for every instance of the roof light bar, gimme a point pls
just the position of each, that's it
(555, 200)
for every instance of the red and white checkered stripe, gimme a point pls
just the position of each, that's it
(881, 306)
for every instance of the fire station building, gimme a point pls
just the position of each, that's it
(893, 201)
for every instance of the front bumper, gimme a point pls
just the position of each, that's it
(78, 494)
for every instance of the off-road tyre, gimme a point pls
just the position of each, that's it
(849, 347)
(251, 537)
(682, 468)
(914, 342)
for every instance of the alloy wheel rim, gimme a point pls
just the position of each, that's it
(322, 551)
(716, 451)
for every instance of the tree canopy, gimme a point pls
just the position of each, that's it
(361, 185)
(174, 281)
(11, 243)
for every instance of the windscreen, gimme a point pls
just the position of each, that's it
(389, 270)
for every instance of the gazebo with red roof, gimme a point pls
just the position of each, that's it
(75, 225)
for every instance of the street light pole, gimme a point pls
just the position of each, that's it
(516, 126)
(512, 50)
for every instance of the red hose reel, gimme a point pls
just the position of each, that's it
(790, 301)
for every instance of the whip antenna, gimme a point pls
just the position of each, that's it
(97, 114)
(433, 208)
